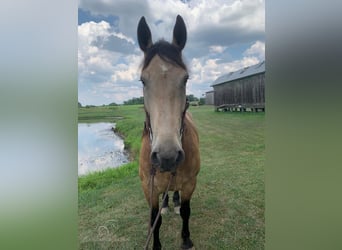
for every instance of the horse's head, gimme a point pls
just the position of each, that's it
(164, 76)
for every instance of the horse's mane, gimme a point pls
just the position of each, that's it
(166, 51)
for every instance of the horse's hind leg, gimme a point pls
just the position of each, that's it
(185, 214)
(156, 241)
(176, 202)
(165, 205)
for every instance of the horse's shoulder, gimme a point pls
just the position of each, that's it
(188, 118)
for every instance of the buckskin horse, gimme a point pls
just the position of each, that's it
(169, 154)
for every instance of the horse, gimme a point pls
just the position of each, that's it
(170, 142)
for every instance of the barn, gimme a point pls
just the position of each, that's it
(242, 90)
(209, 97)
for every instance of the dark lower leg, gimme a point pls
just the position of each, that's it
(185, 214)
(175, 199)
(156, 241)
(166, 201)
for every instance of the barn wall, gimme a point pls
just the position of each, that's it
(249, 91)
(209, 98)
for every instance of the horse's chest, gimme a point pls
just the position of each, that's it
(162, 183)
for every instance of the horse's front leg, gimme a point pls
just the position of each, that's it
(185, 214)
(156, 241)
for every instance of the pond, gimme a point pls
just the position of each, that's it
(99, 147)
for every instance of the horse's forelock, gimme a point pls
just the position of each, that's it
(166, 51)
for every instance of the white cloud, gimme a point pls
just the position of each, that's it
(129, 71)
(207, 21)
(257, 49)
(205, 71)
(216, 49)
(104, 73)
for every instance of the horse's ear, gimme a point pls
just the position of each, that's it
(179, 33)
(144, 35)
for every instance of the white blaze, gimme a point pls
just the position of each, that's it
(163, 68)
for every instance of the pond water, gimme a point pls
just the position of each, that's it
(99, 147)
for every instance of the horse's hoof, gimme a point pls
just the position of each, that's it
(177, 210)
(187, 244)
(164, 210)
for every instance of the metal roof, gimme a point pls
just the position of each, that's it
(241, 73)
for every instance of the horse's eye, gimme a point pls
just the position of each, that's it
(142, 81)
(186, 78)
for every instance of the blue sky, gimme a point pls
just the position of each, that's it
(86, 16)
(223, 36)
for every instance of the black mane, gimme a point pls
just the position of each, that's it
(166, 51)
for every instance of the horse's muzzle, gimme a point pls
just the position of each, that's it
(167, 161)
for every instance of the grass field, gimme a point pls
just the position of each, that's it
(227, 205)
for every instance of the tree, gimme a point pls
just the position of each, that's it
(79, 105)
(202, 101)
(192, 98)
(134, 101)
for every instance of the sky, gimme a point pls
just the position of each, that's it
(223, 36)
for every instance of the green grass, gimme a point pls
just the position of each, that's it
(227, 205)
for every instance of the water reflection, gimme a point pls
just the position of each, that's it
(99, 147)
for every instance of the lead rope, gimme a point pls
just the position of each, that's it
(151, 229)
(152, 174)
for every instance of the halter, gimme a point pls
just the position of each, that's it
(148, 128)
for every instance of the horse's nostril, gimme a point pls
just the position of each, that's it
(167, 160)
(180, 157)
(155, 159)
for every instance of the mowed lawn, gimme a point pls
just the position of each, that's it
(227, 207)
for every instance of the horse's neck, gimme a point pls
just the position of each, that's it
(190, 127)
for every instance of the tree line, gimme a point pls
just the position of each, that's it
(140, 100)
